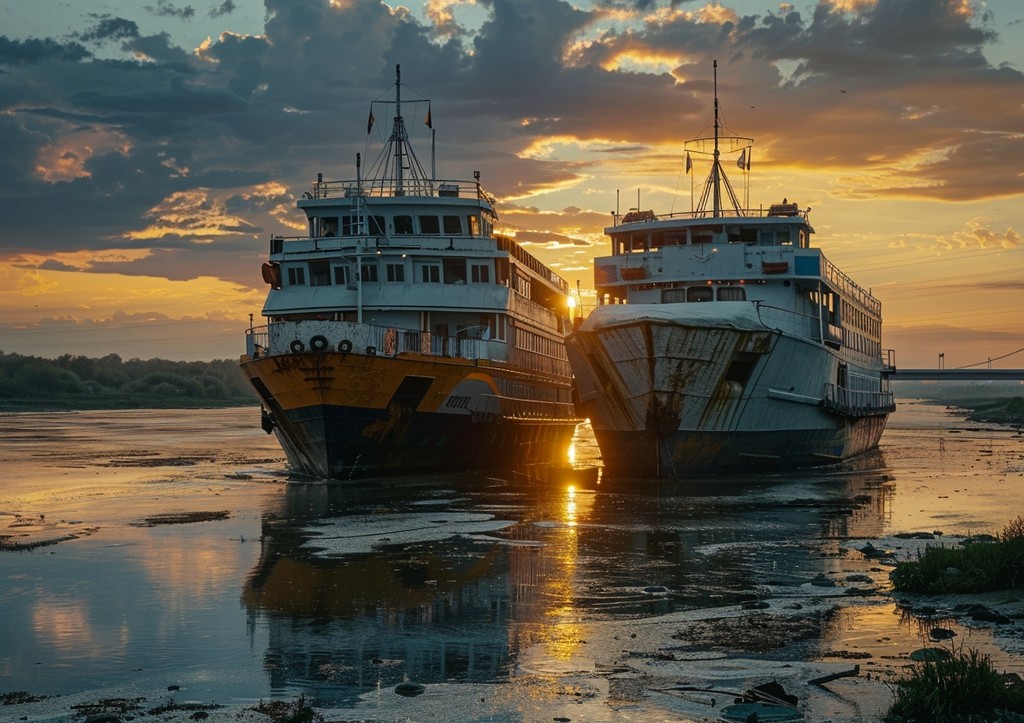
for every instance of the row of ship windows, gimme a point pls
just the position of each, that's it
(691, 294)
(539, 344)
(399, 225)
(859, 319)
(450, 271)
(703, 293)
(859, 342)
(649, 240)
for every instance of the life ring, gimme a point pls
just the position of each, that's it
(297, 346)
(318, 343)
(345, 346)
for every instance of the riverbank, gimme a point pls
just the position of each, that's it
(503, 601)
(1008, 411)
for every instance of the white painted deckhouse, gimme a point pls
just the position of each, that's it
(722, 339)
(403, 334)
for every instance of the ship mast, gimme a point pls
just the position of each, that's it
(397, 165)
(717, 179)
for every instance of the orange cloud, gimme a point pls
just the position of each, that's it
(65, 158)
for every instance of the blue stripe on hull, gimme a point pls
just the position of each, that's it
(342, 442)
(641, 454)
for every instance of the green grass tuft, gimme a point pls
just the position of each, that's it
(963, 687)
(975, 567)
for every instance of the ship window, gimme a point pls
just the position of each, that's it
(369, 272)
(329, 226)
(350, 225)
(673, 296)
(396, 273)
(319, 273)
(296, 276)
(474, 225)
(430, 225)
(341, 275)
(732, 293)
(455, 271)
(699, 293)
(403, 225)
(480, 273)
(430, 273)
(748, 235)
(453, 225)
(376, 225)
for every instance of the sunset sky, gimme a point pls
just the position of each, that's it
(150, 149)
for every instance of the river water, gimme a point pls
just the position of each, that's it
(182, 556)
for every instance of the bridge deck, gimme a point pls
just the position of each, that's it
(902, 375)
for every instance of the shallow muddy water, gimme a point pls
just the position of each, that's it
(597, 596)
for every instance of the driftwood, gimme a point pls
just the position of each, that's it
(835, 676)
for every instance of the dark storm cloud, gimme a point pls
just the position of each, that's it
(225, 8)
(109, 28)
(54, 265)
(27, 52)
(125, 135)
(164, 8)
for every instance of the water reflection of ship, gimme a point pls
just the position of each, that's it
(464, 610)
(342, 625)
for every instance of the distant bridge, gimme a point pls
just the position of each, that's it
(958, 375)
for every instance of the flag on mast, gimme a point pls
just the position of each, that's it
(741, 162)
(689, 163)
(369, 122)
(428, 121)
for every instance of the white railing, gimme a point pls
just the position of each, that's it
(289, 337)
(410, 186)
(854, 403)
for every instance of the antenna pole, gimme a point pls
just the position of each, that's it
(399, 132)
(717, 189)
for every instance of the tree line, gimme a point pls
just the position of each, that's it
(79, 382)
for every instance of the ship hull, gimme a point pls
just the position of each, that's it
(641, 454)
(671, 397)
(341, 416)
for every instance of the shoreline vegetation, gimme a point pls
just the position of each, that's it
(78, 383)
(962, 684)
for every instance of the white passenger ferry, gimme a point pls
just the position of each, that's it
(404, 334)
(723, 339)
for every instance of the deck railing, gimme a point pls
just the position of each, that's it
(854, 403)
(292, 337)
(410, 186)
